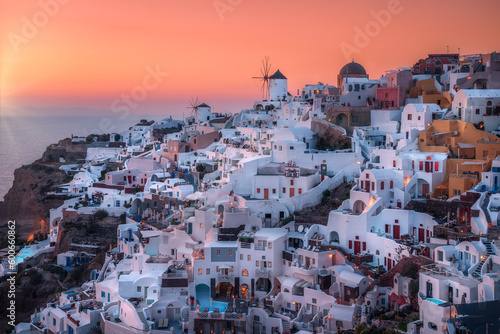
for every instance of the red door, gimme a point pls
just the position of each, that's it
(389, 264)
(266, 193)
(357, 247)
(421, 234)
(292, 192)
(395, 231)
(425, 189)
(428, 166)
(129, 179)
(367, 186)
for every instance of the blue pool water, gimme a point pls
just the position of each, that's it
(436, 301)
(203, 295)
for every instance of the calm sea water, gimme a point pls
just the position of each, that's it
(23, 139)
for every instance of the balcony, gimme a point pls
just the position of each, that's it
(225, 278)
(262, 273)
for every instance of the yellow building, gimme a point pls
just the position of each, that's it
(430, 94)
(471, 151)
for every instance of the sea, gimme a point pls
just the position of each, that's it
(23, 139)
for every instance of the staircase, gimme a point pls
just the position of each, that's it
(484, 206)
(477, 273)
(143, 320)
(286, 326)
(489, 251)
(489, 248)
(192, 316)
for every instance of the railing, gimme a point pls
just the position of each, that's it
(464, 176)
(263, 273)
(225, 277)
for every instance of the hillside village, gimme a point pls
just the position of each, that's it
(371, 205)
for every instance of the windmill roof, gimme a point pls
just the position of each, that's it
(203, 105)
(277, 75)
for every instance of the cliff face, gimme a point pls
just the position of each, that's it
(65, 151)
(27, 202)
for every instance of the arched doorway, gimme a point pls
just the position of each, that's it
(244, 291)
(334, 237)
(224, 290)
(341, 120)
(358, 207)
(263, 285)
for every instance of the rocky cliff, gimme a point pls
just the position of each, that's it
(27, 201)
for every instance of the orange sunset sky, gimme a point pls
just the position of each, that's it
(88, 53)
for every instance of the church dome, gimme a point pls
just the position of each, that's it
(352, 68)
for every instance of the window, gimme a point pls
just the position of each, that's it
(260, 242)
(201, 225)
(284, 190)
(230, 252)
(270, 264)
(258, 190)
(249, 257)
(477, 111)
(274, 191)
(200, 271)
(244, 272)
(364, 245)
(393, 163)
(218, 252)
(421, 165)
(391, 185)
(138, 289)
(436, 166)
(291, 147)
(382, 185)
(257, 263)
(314, 301)
(241, 257)
(270, 245)
(291, 182)
(409, 117)
(350, 244)
(387, 228)
(440, 255)
(208, 271)
(300, 190)
(373, 186)
(103, 294)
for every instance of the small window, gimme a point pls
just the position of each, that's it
(291, 182)
(274, 191)
(257, 263)
(241, 257)
(387, 228)
(208, 271)
(291, 147)
(200, 271)
(138, 289)
(270, 245)
(284, 190)
(477, 111)
(382, 185)
(409, 117)
(249, 257)
(244, 272)
(258, 190)
(391, 184)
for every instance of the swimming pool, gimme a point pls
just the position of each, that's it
(203, 295)
(436, 301)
